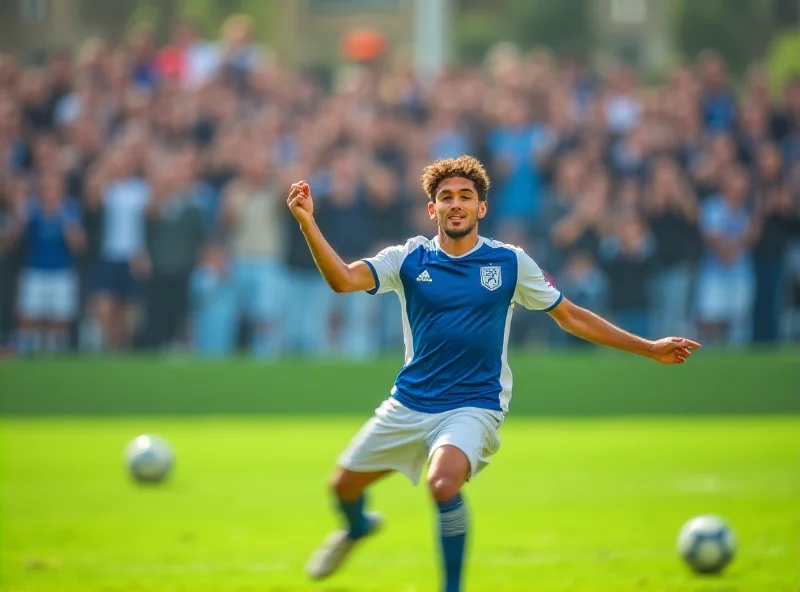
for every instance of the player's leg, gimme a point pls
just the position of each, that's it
(393, 440)
(460, 446)
(449, 470)
(348, 489)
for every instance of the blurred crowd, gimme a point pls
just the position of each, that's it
(142, 194)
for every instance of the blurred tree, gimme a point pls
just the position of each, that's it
(783, 60)
(108, 19)
(208, 14)
(741, 30)
(475, 31)
(563, 25)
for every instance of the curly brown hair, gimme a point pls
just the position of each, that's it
(465, 166)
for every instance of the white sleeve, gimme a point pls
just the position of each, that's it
(385, 268)
(534, 291)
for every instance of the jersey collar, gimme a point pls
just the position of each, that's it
(477, 246)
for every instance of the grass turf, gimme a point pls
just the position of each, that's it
(573, 505)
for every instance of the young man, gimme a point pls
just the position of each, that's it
(48, 287)
(457, 293)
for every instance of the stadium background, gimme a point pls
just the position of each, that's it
(208, 109)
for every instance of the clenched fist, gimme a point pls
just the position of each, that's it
(300, 202)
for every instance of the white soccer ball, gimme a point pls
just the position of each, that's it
(707, 544)
(149, 458)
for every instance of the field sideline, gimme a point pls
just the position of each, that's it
(578, 505)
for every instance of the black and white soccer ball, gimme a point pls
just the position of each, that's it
(149, 459)
(707, 544)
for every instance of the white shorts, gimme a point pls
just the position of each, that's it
(400, 439)
(48, 295)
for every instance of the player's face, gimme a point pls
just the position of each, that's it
(456, 207)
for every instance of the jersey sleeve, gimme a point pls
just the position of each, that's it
(386, 265)
(385, 268)
(534, 291)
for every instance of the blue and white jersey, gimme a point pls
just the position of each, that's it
(456, 319)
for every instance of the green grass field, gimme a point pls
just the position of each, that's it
(572, 505)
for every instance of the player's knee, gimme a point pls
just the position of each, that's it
(443, 487)
(343, 486)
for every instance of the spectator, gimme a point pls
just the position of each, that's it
(83, 147)
(627, 197)
(513, 147)
(583, 224)
(586, 285)
(121, 195)
(753, 130)
(672, 211)
(142, 59)
(689, 134)
(13, 195)
(175, 232)
(717, 157)
(626, 257)
(718, 101)
(212, 305)
(562, 199)
(86, 100)
(389, 224)
(252, 218)
(14, 155)
(788, 123)
(309, 299)
(622, 108)
(239, 56)
(190, 60)
(93, 62)
(629, 154)
(561, 133)
(448, 140)
(60, 73)
(348, 229)
(725, 283)
(48, 289)
(37, 109)
(778, 222)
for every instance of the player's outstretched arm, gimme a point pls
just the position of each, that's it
(591, 327)
(340, 276)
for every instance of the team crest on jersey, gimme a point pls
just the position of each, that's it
(490, 277)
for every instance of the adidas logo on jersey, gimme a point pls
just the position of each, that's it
(424, 277)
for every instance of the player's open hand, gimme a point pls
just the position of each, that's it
(300, 202)
(672, 350)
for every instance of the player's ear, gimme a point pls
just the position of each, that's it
(482, 209)
(431, 210)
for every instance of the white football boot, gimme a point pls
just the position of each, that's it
(337, 546)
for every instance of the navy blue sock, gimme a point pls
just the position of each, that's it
(453, 534)
(357, 524)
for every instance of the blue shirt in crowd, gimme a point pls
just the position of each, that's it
(46, 238)
(717, 217)
(518, 194)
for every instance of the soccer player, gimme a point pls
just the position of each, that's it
(457, 292)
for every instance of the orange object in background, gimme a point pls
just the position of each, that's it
(363, 45)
